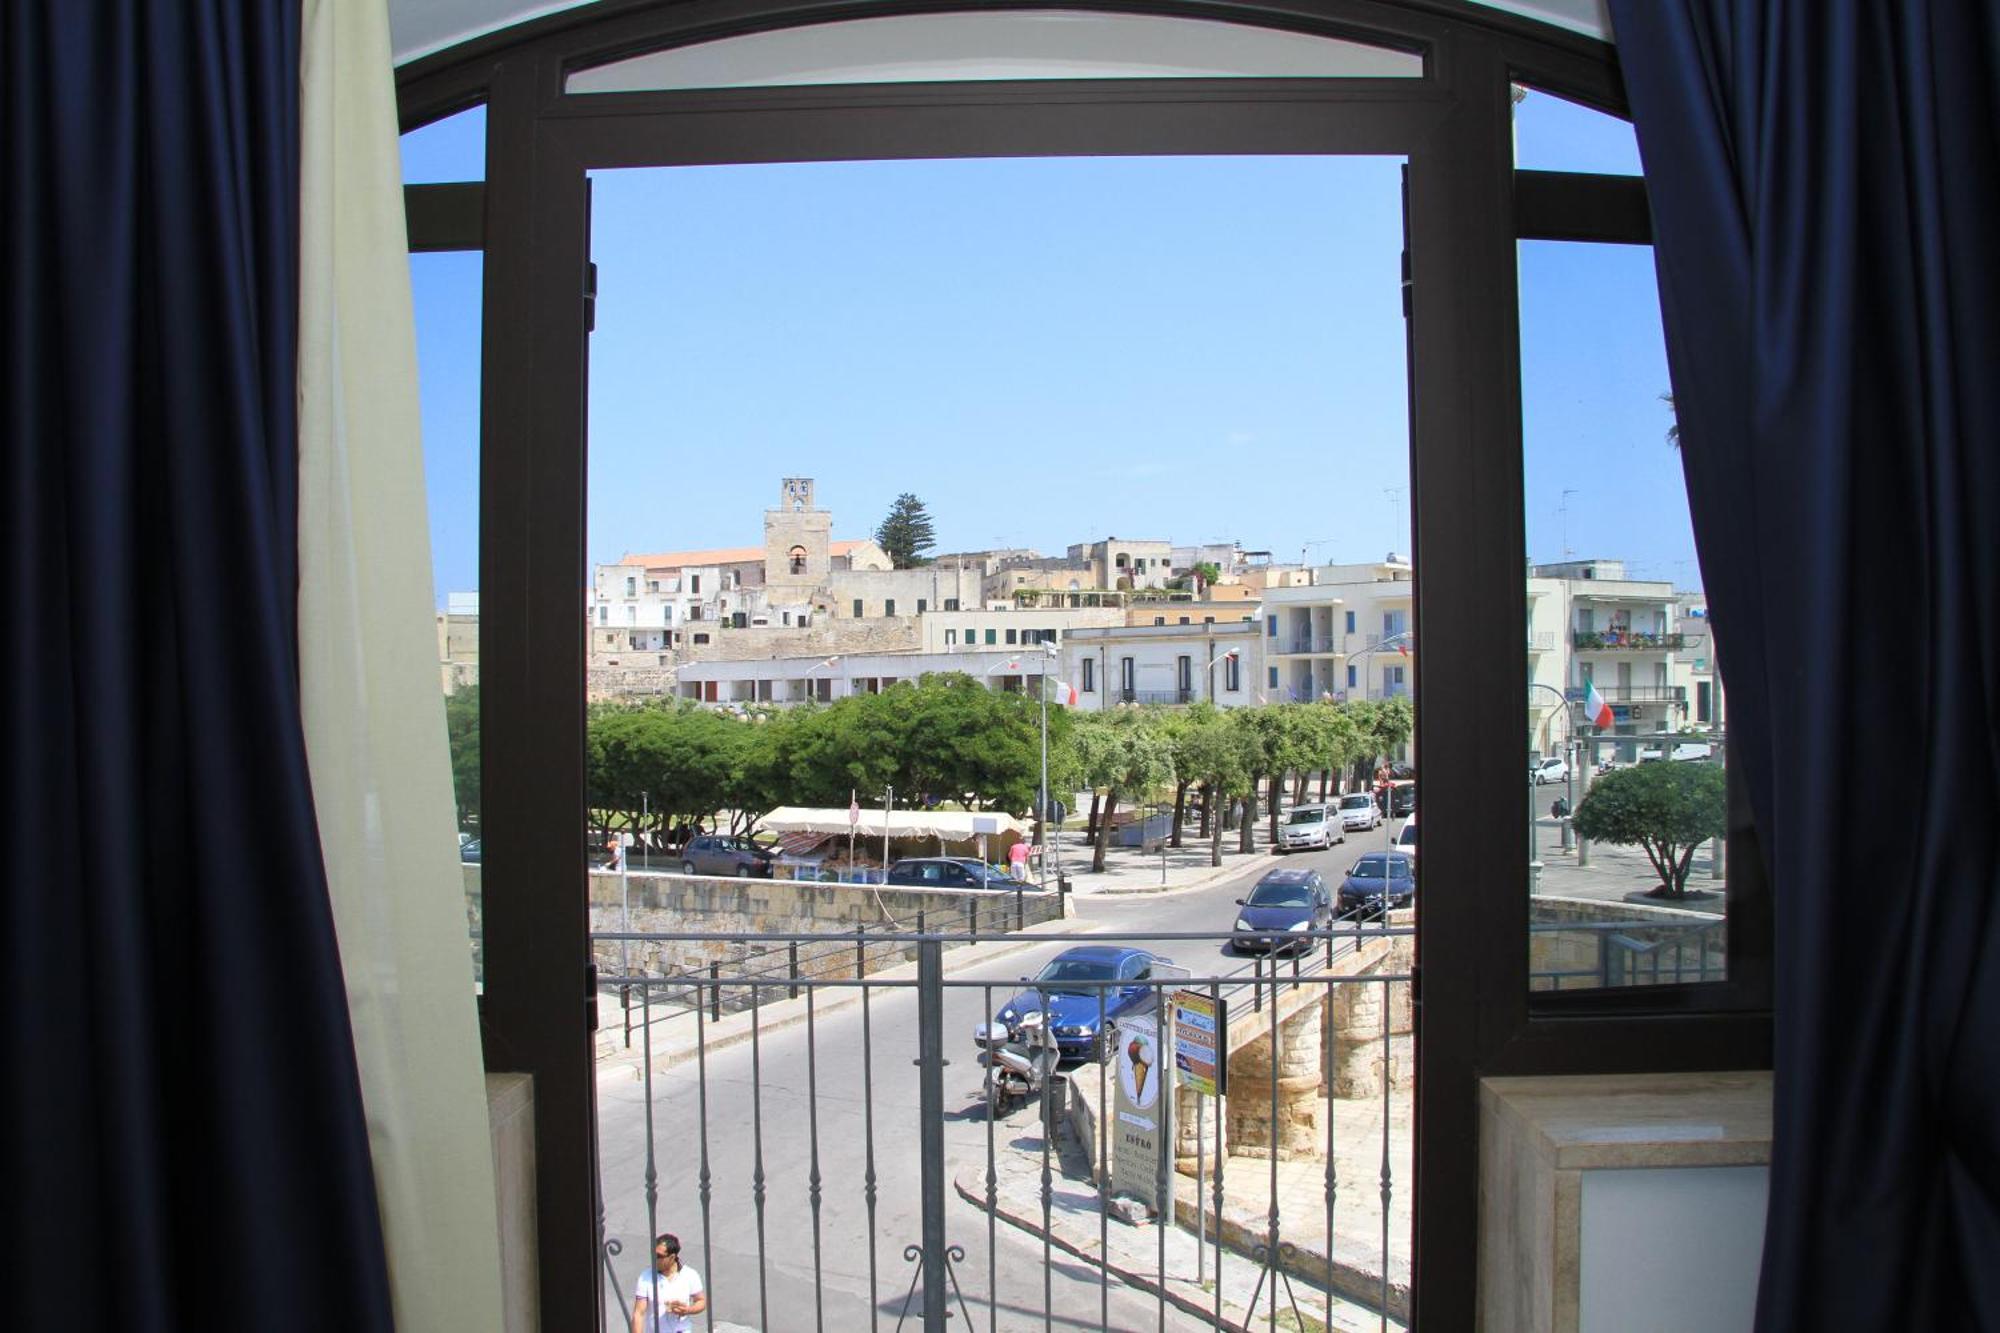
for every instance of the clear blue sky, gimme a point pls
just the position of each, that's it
(1054, 350)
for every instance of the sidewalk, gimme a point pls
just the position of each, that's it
(1182, 869)
(1194, 1276)
(1615, 871)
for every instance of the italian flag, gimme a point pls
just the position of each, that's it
(1595, 710)
(1062, 692)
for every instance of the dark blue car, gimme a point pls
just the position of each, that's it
(1284, 905)
(1063, 985)
(1378, 882)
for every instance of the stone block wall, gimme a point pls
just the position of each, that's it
(678, 903)
(1702, 937)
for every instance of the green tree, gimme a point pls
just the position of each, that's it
(1125, 753)
(1669, 809)
(1219, 754)
(907, 534)
(461, 729)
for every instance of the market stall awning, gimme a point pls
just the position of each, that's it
(950, 825)
(799, 843)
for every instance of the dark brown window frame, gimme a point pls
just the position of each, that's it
(1464, 198)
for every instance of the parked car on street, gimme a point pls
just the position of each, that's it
(1378, 882)
(725, 854)
(1554, 768)
(953, 872)
(1068, 988)
(1406, 841)
(1305, 826)
(1402, 798)
(1284, 905)
(1685, 752)
(469, 851)
(1359, 811)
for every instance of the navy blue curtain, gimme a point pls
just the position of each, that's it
(183, 1144)
(1825, 186)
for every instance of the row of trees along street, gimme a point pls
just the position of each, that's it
(664, 769)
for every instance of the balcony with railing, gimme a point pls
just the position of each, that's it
(1310, 643)
(1624, 641)
(1541, 641)
(1635, 694)
(1179, 696)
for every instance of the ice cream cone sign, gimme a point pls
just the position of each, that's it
(1137, 1059)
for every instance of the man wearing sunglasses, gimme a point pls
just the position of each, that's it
(665, 1295)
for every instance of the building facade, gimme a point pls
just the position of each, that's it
(1221, 663)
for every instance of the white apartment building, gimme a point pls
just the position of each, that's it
(1623, 636)
(1344, 635)
(1694, 665)
(955, 630)
(1220, 663)
(793, 680)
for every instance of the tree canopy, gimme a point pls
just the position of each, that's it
(1666, 808)
(907, 534)
(461, 729)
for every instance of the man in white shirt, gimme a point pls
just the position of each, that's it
(666, 1295)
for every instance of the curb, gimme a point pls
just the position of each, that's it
(966, 1182)
(1215, 875)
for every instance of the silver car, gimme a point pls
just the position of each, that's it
(1359, 811)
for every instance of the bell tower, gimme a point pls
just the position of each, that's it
(796, 539)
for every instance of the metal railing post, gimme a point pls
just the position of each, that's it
(715, 992)
(1257, 985)
(1020, 910)
(792, 962)
(930, 1120)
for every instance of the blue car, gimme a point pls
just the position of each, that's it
(1072, 1003)
(1284, 905)
(1378, 882)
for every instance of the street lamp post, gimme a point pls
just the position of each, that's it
(1042, 793)
(807, 678)
(1209, 670)
(1569, 770)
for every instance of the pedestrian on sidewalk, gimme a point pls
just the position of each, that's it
(665, 1295)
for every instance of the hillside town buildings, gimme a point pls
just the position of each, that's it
(805, 616)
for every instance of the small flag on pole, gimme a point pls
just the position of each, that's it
(1595, 710)
(1062, 692)
(1404, 647)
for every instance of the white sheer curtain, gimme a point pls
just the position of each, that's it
(374, 718)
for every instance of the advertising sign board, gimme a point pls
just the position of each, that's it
(1201, 1042)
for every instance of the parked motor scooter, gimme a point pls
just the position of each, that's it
(1022, 1061)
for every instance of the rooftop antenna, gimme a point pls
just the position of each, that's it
(1563, 509)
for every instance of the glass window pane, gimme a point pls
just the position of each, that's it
(446, 290)
(1625, 721)
(1551, 134)
(971, 47)
(451, 149)
(1117, 410)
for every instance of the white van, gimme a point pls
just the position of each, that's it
(1406, 840)
(1305, 826)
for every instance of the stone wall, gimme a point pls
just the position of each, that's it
(822, 638)
(1701, 938)
(675, 903)
(1360, 1058)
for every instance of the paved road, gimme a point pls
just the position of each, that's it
(763, 1111)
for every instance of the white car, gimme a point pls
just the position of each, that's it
(1305, 827)
(1359, 811)
(1555, 768)
(1685, 752)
